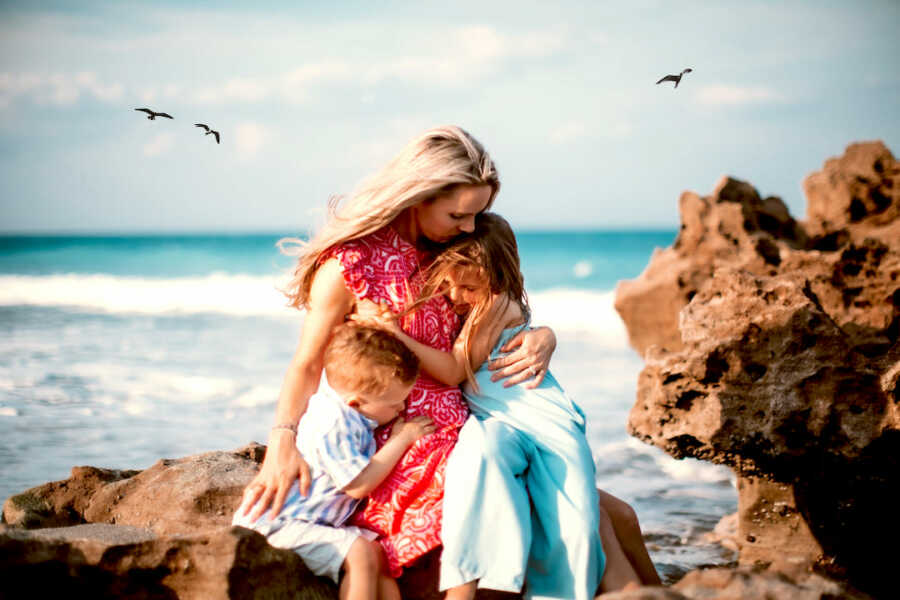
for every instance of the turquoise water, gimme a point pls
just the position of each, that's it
(120, 350)
(586, 260)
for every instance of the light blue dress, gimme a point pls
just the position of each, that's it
(522, 444)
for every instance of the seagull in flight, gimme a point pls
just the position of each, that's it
(675, 78)
(208, 130)
(153, 115)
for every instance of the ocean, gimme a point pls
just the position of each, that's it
(121, 350)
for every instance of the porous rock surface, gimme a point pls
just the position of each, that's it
(771, 346)
(163, 532)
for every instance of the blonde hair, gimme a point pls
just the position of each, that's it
(365, 360)
(429, 166)
(491, 249)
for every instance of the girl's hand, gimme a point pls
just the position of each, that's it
(282, 466)
(411, 430)
(375, 315)
(529, 358)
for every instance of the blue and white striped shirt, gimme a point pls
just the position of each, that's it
(337, 443)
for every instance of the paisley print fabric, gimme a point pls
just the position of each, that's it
(405, 510)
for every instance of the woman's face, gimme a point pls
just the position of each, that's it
(465, 287)
(451, 214)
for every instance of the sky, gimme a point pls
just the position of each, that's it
(311, 97)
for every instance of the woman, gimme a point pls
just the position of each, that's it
(374, 248)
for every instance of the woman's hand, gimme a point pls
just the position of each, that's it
(376, 315)
(529, 358)
(282, 466)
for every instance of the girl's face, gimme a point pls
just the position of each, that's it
(465, 288)
(451, 214)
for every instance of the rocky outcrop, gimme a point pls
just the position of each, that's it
(119, 561)
(159, 533)
(162, 533)
(772, 346)
(190, 494)
(52, 549)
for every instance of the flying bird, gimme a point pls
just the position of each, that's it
(153, 115)
(208, 130)
(675, 78)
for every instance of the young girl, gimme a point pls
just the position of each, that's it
(520, 499)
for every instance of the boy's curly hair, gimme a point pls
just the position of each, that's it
(366, 360)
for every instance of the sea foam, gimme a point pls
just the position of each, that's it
(240, 295)
(563, 309)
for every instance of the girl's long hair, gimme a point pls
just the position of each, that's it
(492, 250)
(429, 166)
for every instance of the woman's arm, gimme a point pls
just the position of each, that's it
(329, 302)
(528, 358)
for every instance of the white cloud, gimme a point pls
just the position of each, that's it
(732, 95)
(437, 56)
(58, 89)
(458, 56)
(61, 89)
(464, 55)
(249, 138)
(162, 142)
(106, 92)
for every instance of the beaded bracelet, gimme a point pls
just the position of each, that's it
(288, 426)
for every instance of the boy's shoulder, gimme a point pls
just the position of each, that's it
(327, 412)
(324, 410)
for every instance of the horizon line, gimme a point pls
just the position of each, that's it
(247, 232)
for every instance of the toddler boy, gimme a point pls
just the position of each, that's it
(370, 373)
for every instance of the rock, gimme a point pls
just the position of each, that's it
(836, 249)
(750, 584)
(733, 226)
(725, 533)
(59, 503)
(857, 193)
(646, 593)
(162, 533)
(774, 347)
(766, 382)
(189, 494)
(127, 562)
(769, 521)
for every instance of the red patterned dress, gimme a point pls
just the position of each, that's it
(406, 508)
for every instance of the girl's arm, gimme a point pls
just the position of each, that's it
(403, 434)
(329, 302)
(447, 367)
